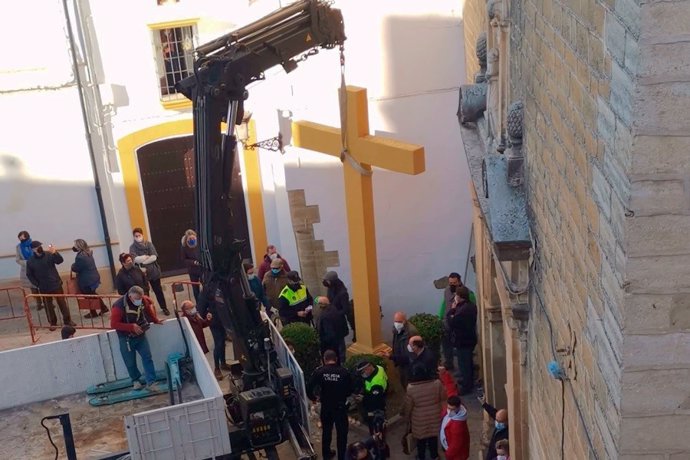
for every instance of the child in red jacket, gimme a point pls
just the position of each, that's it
(454, 435)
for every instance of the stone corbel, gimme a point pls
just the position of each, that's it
(473, 97)
(514, 153)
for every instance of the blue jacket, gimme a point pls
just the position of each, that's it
(87, 273)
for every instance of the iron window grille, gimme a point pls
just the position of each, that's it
(174, 50)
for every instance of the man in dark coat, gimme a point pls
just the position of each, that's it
(331, 326)
(500, 427)
(42, 272)
(454, 282)
(271, 255)
(461, 322)
(190, 256)
(418, 352)
(403, 330)
(340, 299)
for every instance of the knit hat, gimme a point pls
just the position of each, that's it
(277, 263)
(35, 244)
(330, 276)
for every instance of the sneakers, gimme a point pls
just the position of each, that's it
(137, 385)
(218, 374)
(165, 311)
(153, 387)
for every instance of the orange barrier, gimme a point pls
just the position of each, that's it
(75, 303)
(183, 290)
(11, 300)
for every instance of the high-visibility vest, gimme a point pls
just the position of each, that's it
(294, 297)
(380, 378)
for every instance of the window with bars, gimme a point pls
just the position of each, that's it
(174, 48)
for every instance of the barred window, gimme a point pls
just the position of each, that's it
(174, 58)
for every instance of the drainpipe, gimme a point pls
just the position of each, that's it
(89, 141)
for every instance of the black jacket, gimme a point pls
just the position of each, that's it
(125, 279)
(332, 328)
(288, 314)
(496, 436)
(42, 272)
(209, 304)
(338, 296)
(400, 355)
(427, 357)
(87, 273)
(332, 384)
(462, 321)
(189, 257)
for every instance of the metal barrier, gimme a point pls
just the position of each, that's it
(74, 303)
(13, 308)
(185, 289)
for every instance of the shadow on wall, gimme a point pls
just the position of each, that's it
(52, 211)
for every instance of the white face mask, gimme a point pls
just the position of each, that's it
(501, 457)
(139, 239)
(192, 311)
(273, 256)
(251, 276)
(409, 348)
(398, 326)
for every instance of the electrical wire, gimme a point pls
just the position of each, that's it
(563, 420)
(49, 437)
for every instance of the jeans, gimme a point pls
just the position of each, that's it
(158, 290)
(50, 308)
(431, 444)
(218, 345)
(129, 347)
(334, 416)
(466, 368)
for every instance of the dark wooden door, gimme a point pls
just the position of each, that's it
(166, 168)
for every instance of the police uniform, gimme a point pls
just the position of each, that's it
(374, 393)
(333, 384)
(291, 301)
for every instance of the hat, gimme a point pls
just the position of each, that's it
(35, 244)
(363, 365)
(293, 276)
(277, 263)
(330, 276)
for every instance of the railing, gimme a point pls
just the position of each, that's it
(74, 303)
(11, 303)
(183, 290)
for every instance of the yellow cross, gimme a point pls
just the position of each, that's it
(368, 151)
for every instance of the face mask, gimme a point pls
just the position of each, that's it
(294, 285)
(452, 412)
(138, 239)
(499, 425)
(273, 256)
(398, 326)
(325, 284)
(75, 249)
(251, 276)
(128, 265)
(191, 241)
(409, 348)
(452, 289)
(137, 302)
(275, 271)
(39, 251)
(192, 311)
(501, 457)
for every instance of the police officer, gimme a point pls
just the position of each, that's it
(332, 384)
(375, 384)
(295, 303)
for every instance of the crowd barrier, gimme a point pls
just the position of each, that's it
(77, 304)
(12, 303)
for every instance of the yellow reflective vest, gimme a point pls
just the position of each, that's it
(294, 297)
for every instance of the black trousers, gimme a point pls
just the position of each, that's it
(88, 291)
(466, 368)
(448, 351)
(334, 416)
(158, 290)
(50, 308)
(195, 278)
(431, 444)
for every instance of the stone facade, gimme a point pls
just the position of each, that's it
(606, 91)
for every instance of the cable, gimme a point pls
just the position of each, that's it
(563, 420)
(49, 438)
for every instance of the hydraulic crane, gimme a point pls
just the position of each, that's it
(263, 405)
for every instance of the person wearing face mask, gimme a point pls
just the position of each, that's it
(24, 253)
(461, 324)
(502, 450)
(130, 275)
(271, 255)
(419, 353)
(273, 283)
(340, 299)
(196, 321)
(454, 434)
(146, 257)
(131, 317)
(454, 282)
(372, 387)
(42, 272)
(500, 432)
(88, 278)
(402, 331)
(256, 287)
(191, 258)
(295, 303)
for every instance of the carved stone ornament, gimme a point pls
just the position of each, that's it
(492, 63)
(514, 126)
(472, 102)
(492, 8)
(481, 58)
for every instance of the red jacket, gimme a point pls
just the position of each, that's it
(117, 314)
(198, 324)
(457, 436)
(449, 383)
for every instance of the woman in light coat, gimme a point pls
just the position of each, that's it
(424, 402)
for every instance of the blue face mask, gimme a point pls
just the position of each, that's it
(191, 241)
(500, 426)
(275, 271)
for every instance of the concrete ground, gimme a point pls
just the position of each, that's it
(14, 333)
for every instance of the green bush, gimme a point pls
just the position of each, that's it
(430, 327)
(305, 340)
(352, 362)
